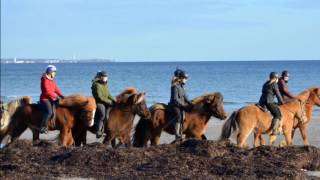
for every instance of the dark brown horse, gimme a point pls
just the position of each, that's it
(129, 103)
(69, 110)
(194, 126)
(312, 98)
(252, 119)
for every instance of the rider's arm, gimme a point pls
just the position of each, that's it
(176, 98)
(277, 92)
(97, 93)
(286, 90)
(47, 89)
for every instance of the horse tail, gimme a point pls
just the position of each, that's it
(229, 125)
(141, 132)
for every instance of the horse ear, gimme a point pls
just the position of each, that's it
(139, 98)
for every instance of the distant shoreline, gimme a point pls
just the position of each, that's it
(63, 61)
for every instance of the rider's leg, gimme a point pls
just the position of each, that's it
(177, 121)
(100, 115)
(47, 113)
(275, 111)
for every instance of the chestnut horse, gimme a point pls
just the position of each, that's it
(129, 103)
(69, 110)
(312, 99)
(252, 119)
(8, 109)
(194, 126)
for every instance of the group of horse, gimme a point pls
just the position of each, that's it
(74, 117)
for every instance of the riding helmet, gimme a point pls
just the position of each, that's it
(180, 73)
(273, 75)
(285, 73)
(101, 74)
(51, 68)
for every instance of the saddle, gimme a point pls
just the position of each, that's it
(166, 107)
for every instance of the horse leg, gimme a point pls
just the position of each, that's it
(288, 136)
(127, 140)
(242, 137)
(272, 139)
(35, 136)
(256, 139)
(66, 137)
(262, 141)
(155, 138)
(304, 134)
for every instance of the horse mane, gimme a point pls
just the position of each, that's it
(306, 93)
(73, 100)
(210, 96)
(11, 107)
(14, 104)
(124, 95)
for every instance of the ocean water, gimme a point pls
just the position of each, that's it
(239, 82)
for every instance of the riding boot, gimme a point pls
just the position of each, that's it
(99, 129)
(275, 126)
(44, 126)
(177, 127)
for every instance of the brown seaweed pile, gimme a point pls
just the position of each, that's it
(191, 159)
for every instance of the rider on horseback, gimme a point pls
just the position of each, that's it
(179, 100)
(283, 87)
(103, 99)
(49, 97)
(269, 90)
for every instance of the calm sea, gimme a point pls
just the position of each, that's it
(239, 82)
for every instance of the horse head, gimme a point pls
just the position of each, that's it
(315, 96)
(214, 102)
(139, 106)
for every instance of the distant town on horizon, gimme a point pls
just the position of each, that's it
(52, 60)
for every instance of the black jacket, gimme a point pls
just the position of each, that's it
(269, 91)
(178, 96)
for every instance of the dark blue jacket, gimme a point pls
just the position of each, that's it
(178, 96)
(269, 91)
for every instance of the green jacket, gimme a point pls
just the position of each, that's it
(101, 93)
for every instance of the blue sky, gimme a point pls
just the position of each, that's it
(164, 30)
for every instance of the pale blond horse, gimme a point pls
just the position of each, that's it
(312, 98)
(8, 109)
(252, 119)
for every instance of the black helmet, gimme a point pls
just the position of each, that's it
(285, 73)
(180, 73)
(273, 75)
(101, 74)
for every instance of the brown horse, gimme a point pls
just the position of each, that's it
(252, 119)
(194, 126)
(312, 99)
(129, 103)
(8, 109)
(69, 110)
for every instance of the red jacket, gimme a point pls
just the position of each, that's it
(49, 89)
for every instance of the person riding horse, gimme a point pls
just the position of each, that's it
(103, 99)
(179, 100)
(269, 90)
(50, 94)
(283, 87)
